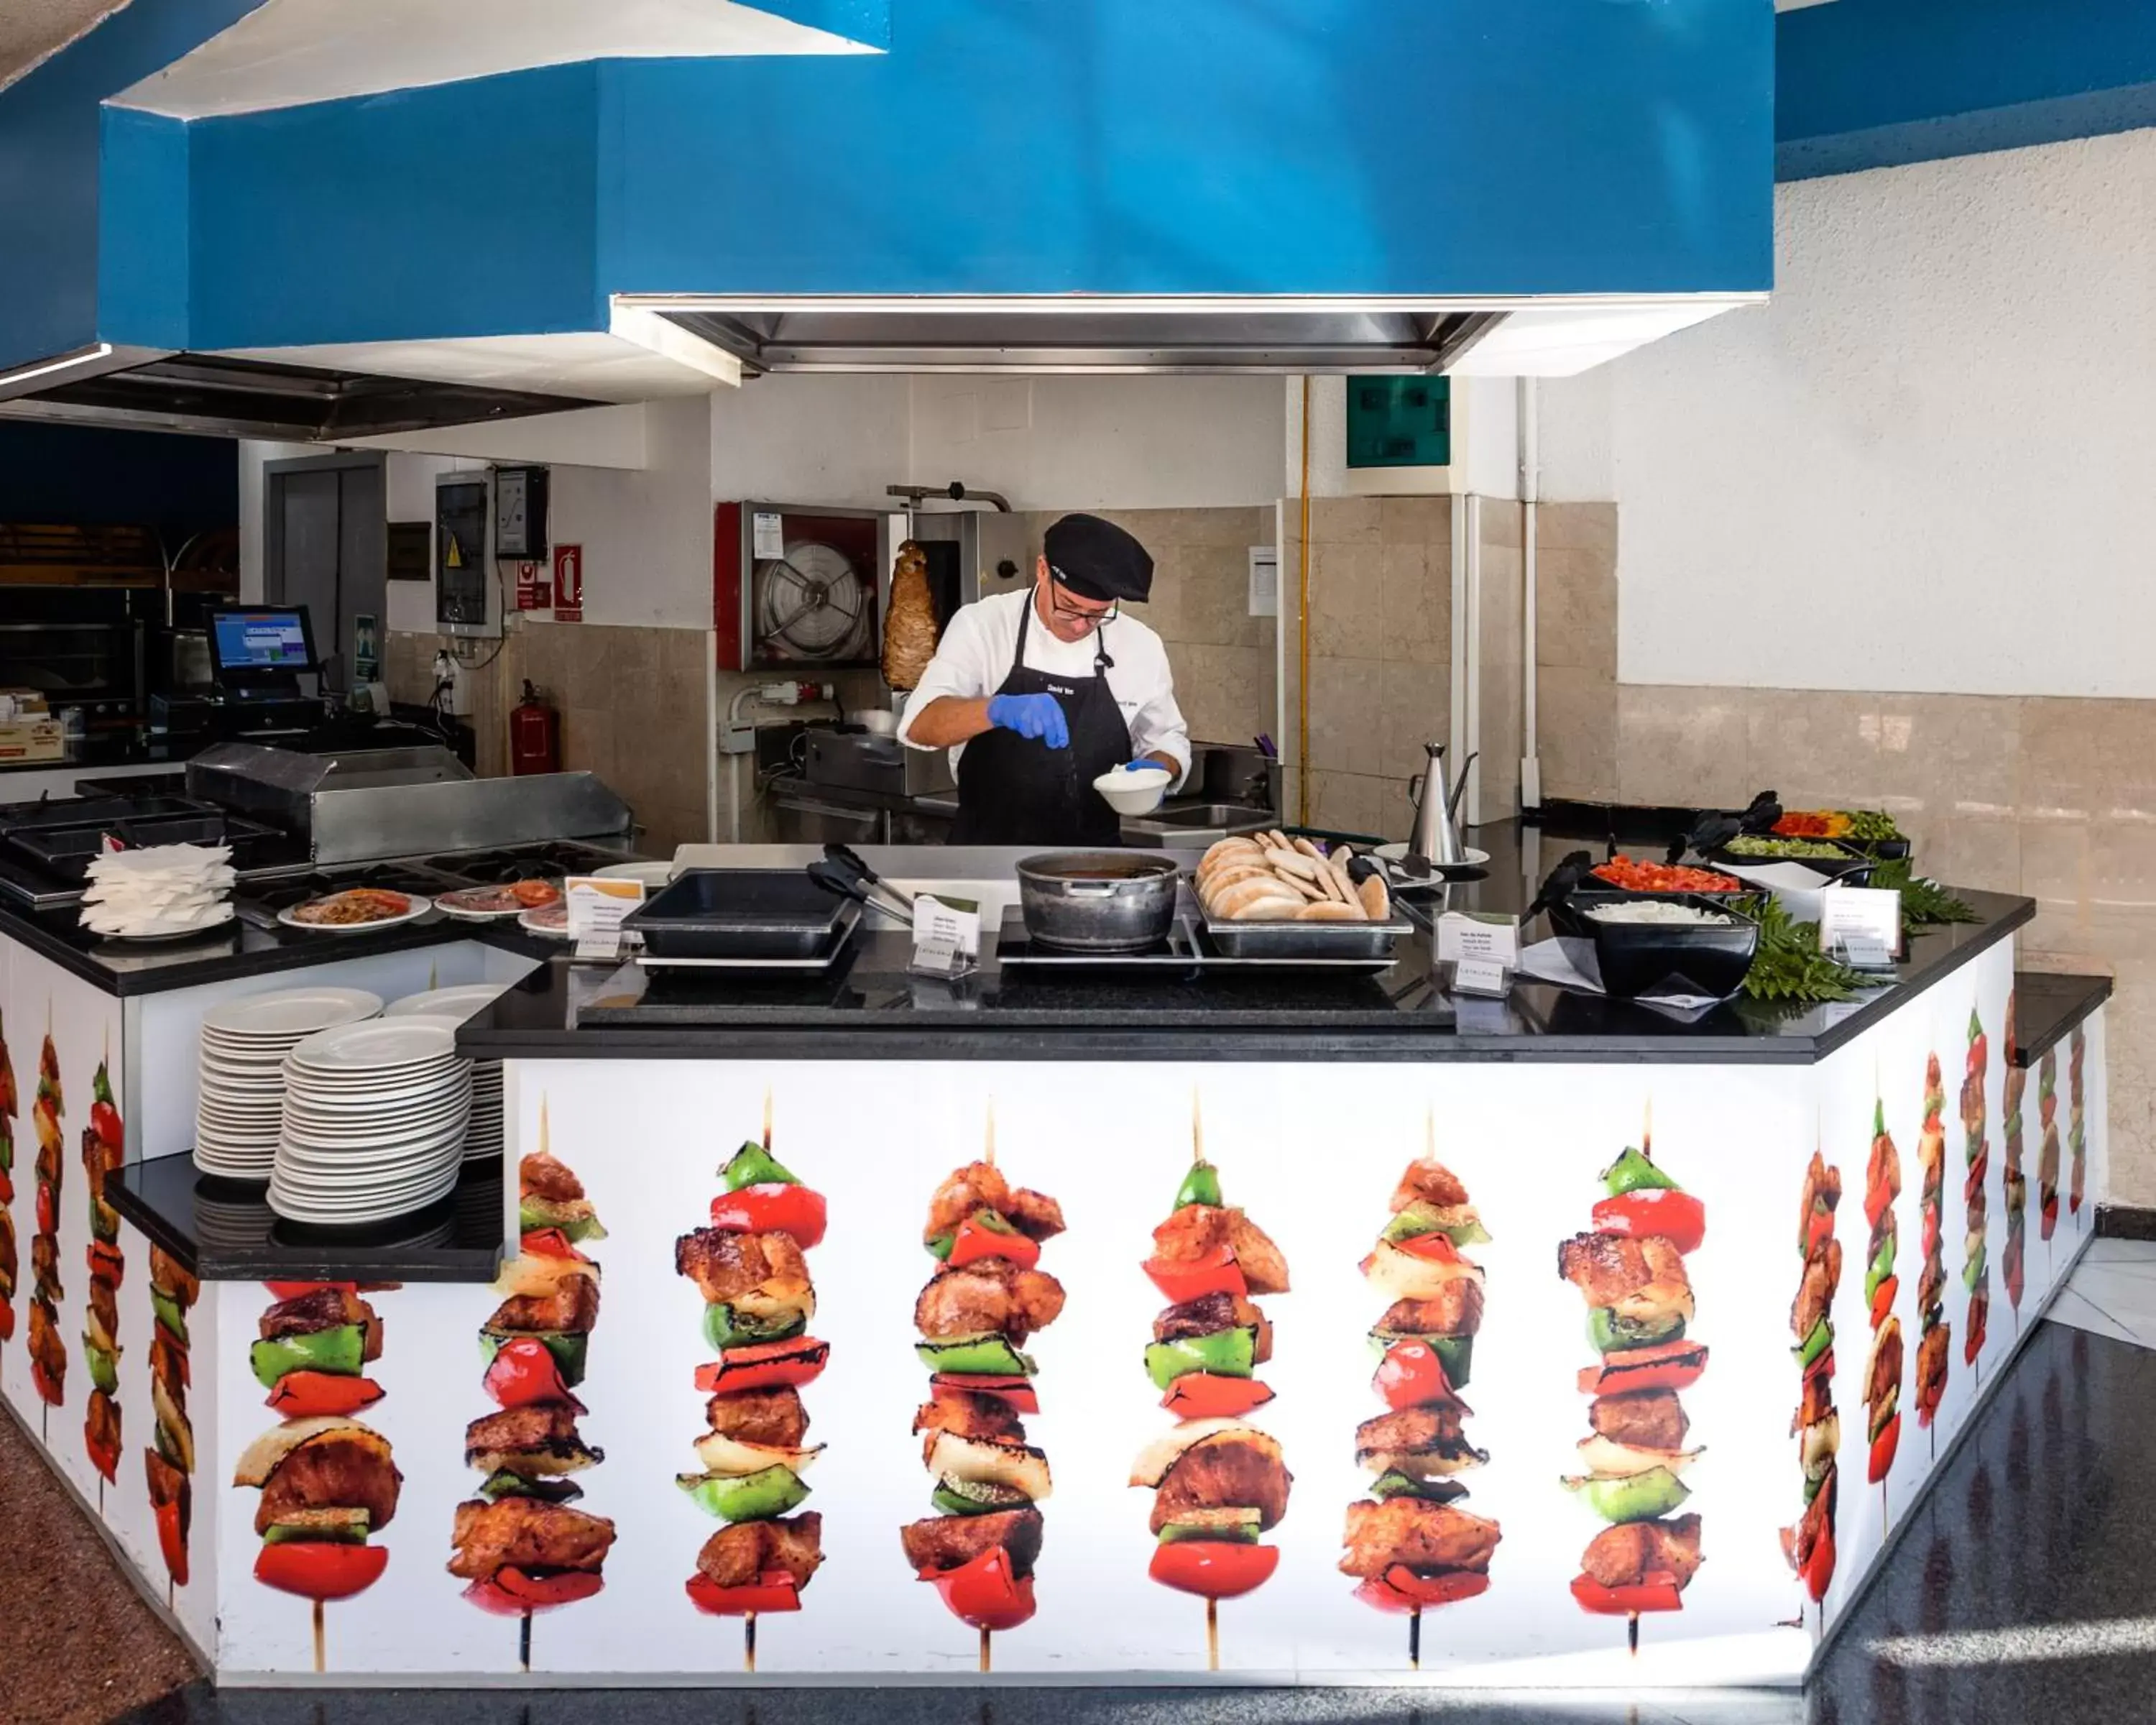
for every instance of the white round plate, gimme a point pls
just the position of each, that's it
(471, 903)
(420, 905)
(298, 1209)
(331, 1185)
(291, 1013)
(459, 1002)
(378, 1045)
(1470, 857)
(385, 1136)
(552, 921)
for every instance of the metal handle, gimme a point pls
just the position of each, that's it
(1090, 889)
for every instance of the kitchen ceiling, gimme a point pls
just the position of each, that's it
(31, 30)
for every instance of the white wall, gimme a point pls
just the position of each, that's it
(1045, 443)
(1943, 427)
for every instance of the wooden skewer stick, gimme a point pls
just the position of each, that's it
(321, 1665)
(1632, 1634)
(984, 1650)
(749, 1643)
(1647, 1150)
(1430, 1131)
(988, 1155)
(766, 1118)
(523, 1640)
(1212, 1635)
(1197, 1128)
(1415, 1639)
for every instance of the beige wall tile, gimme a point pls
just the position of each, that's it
(1415, 603)
(1501, 523)
(1984, 854)
(1951, 755)
(1215, 594)
(1590, 527)
(1346, 521)
(1576, 729)
(1346, 802)
(1815, 747)
(1345, 715)
(1415, 520)
(1415, 710)
(1682, 745)
(2093, 756)
(1347, 599)
(1226, 693)
(1575, 612)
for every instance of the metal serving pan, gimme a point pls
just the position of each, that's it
(1290, 941)
(739, 913)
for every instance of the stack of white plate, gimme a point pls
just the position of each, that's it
(241, 1081)
(374, 1121)
(483, 1134)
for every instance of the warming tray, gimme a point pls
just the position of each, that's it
(1188, 948)
(739, 913)
(1367, 942)
(849, 913)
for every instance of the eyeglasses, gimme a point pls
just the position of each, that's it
(1091, 620)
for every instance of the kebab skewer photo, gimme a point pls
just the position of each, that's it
(328, 1481)
(2047, 1154)
(104, 1148)
(1935, 1335)
(1218, 1483)
(1630, 1270)
(1809, 1542)
(1409, 1543)
(1976, 1263)
(2076, 1119)
(988, 1298)
(48, 1360)
(749, 1265)
(520, 1544)
(168, 1464)
(2013, 1264)
(10, 1263)
(1882, 1367)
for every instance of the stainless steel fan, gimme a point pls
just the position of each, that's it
(813, 605)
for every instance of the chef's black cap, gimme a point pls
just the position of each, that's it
(1097, 559)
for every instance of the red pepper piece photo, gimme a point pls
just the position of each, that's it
(515, 1593)
(774, 1208)
(308, 1395)
(105, 1264)
(971, 1243)
(1401, 1589)
(49, 1214)
(41, 1381)
(104, 1457)
(1201, 1395)
(1677, 1217)
(766, 1365)
(1181, 1280)
(1658, 1592)
(7, 1320)
(1412, 1375)
(1214, 1568)
(1819, 1568)
(520, 1372)
(320, 1568)
(1663, 1365)
(293, 1289)
(774, 1590)
(173, 1542)
(983, 1593)
(1436, 1248)
(550, 1243)
(6, 1187)
(1016, 1394)
(104, 1121)
(1882, 1451)
(1882, 1299)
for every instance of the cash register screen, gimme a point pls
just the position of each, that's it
(261, 641)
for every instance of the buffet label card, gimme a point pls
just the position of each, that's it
(595, 905)
(1479, 937)
(1481, 975)
(955, 923)
(1861, 926)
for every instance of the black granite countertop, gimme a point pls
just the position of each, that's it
(223, 1230)
(2047, 1006)
(867, 1007)
(238, 948)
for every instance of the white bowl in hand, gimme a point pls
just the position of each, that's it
(1134, 790)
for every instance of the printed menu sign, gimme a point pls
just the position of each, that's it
(597, 904)
(1861, 925)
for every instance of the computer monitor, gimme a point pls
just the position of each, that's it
(253, 642)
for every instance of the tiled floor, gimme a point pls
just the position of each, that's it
(2022, 1592)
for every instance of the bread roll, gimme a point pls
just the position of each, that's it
(1331, 911)
(1377, 901)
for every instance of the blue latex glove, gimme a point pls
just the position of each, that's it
(1143, 766)
(1036, 716)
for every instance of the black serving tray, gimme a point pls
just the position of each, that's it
(1853, 868)
(1639, 957)
(739, 913)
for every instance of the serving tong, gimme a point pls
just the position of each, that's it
(843, 871)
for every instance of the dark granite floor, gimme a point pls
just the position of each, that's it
(2023, 1593)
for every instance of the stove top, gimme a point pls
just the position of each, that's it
(526, 862)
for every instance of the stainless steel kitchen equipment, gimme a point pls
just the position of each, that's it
(971, 552)
(864, 761)
(1097, 901)
(796, 586)
(365, 803)
(739, 913)
(1293, 940)
(1436, 834)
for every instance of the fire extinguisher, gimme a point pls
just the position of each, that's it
(535, 734)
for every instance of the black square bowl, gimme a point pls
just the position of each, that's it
(1642, 957)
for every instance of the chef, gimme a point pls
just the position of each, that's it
(1038, 693)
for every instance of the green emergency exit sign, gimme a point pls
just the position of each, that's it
(1399, 422)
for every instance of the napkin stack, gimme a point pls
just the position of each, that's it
(160, 892)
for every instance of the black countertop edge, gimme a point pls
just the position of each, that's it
(2047, 1005)
(223, 1230)
(955, 1035)
(239, 949)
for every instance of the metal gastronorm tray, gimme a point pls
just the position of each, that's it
(738, 913)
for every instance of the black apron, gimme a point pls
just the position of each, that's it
(1016, 790)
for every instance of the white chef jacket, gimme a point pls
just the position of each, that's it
(975, 656)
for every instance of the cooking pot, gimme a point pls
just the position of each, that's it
(1098, 901)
